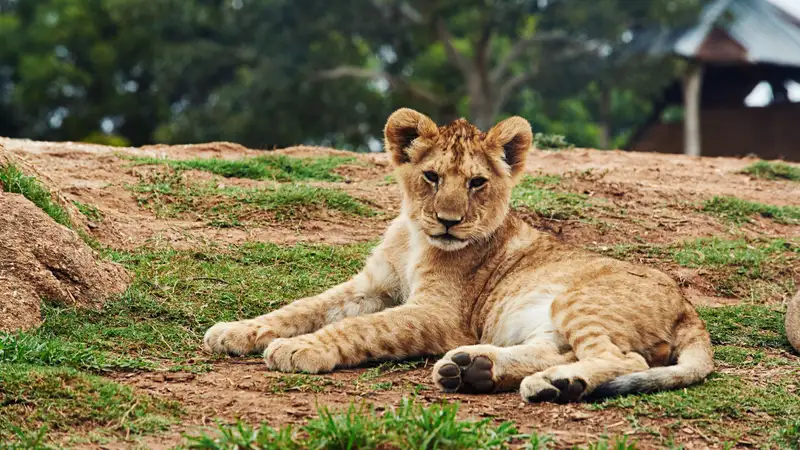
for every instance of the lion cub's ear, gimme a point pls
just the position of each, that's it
(402, 127)
(514, 135)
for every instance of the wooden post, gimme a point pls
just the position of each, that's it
(692, 87)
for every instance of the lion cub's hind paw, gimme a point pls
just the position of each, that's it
(537, 388)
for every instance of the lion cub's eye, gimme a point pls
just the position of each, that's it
(431, 176)
(477, 182)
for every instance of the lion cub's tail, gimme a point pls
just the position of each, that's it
(695, 360)
(793, 321)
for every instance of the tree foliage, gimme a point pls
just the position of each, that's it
(271, 73)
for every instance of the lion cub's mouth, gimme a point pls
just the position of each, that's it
(447, 242)
(447, 237)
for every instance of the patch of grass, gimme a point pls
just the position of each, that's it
(384, 386)
(622, 443)
(26, 348)
(63, 399)
(301, 383)
(750, 257)
(746, 325)
(720, 399)
(408, 426)
(545, 141)
(12, 180)
(287, 197)
(750, 269)
(26, 440)
(177, 295)
(388, 367)
(743, 268)
(790, 436)
(544, 180)
(90, 211)
(536, 193)
(169, 195)
(738, 356)
(266, 167)
(738, 211)
(773, 171)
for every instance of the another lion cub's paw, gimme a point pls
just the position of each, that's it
(299, 354)
(468, 369)
(552, 386)
(237, 338)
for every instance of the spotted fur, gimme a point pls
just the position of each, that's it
(458, 274)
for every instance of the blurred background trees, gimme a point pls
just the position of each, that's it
(273, 73)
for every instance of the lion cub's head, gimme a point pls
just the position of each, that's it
(456, 179)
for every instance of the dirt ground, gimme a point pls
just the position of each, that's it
(41, 259)
(658, 194)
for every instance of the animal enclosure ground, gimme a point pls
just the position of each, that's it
(219, 232)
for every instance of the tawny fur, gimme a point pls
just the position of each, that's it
(512, 307)
(793, 321)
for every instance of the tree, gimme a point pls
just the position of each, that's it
(270, 73)
(182, 71)
(496, 49)
(70, 68)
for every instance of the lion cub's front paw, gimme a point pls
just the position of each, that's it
(237, 338)
(299, 355)
(469, 369)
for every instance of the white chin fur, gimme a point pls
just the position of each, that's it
(448, 246)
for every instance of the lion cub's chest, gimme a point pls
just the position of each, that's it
(523, 318)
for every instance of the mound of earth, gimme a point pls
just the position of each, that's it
(22, 163)
(40, 259)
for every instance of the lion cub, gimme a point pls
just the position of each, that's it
(458, 273)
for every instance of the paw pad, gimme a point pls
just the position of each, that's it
(468, 375)
(562, 390)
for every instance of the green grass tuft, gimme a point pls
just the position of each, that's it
(66, 399)
(746, 325)
(14, 181)
(408, 426)
(790, 436)
(169, 195)
(388, 367)
(266, 167)
(24, 348)
(751, 269)
(738, 356)
(286, 198)
(743, 268)
(748, 257)
(90, 211)
(738, 211)
(773, 171)
(551, 142)
(536, 193)
(26, 440)
(301, 383)
(755, 270)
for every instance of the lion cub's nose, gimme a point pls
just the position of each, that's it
(448, 221)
